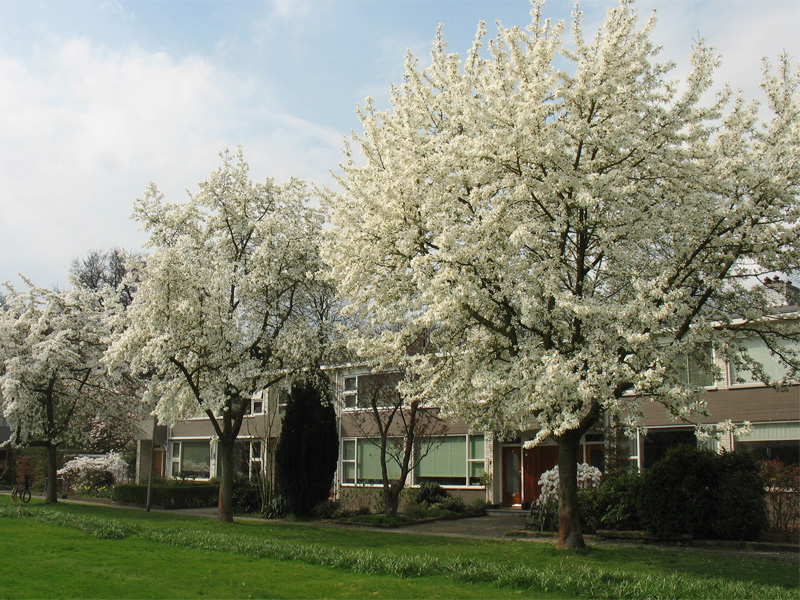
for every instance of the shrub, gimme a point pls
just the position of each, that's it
(327, 509)
(692, 491)
(275, 508)
(616, 501)
(676, 496)
(591, 508)
(93, 472)
(308, 447)
(782, 487)
(544, 516)
(246, 495)
(588, 478)
(477, 507)
(453, 504)
(172, 495)
(741, 509)
(415, 512)
(430, 493)
(377, 520)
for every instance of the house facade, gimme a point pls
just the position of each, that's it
(479, 464)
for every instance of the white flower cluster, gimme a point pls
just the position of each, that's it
(83, 467)
(588, 478)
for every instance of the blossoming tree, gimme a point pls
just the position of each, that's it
(52, 379)
(565, 223)
(222, 306)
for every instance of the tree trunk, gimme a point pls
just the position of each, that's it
(391, 497)
(569, 519)
(51, 497)
(225, 457)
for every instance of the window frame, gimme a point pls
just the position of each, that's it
(176, 458)
(350, 394)
(469, 481)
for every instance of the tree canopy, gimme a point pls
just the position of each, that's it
(53, 384)
(221, 309)
(565, 222)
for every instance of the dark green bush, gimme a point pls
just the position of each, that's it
(741, 505)
(592, 508)
(677, 494)
(246, 495)
(455, 504)
(171, 495)
(308, 447)
(616, 501)
(695, 492)
(377, 520)
(430, 493)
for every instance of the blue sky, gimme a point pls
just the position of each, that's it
(99, 98)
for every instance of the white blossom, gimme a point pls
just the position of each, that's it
(222, 308)
(589, 478)
(562, 224)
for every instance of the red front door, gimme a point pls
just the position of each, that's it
(512, 475)
(537, 461)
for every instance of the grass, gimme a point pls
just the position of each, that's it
(108, 552)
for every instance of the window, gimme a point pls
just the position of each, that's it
(361, 462)
(257, 405)
(657, 441)
(349, 461)
(283, 400)
(457, 460)
(693, 369)
(758, 351)
(350, 394)
(191, 460)
(475, 459)
(362, 390)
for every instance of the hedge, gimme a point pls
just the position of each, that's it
(182, 495)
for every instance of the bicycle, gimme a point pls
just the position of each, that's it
(23, 493)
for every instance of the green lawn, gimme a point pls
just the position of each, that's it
(153, 555)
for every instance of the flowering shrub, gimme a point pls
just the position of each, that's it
(89, 474)
(589, 478)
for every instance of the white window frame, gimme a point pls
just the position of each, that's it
(175, 459)
(283, 399)
(350, 396)
(350, 461)
(413, 474)
(257, 404)
(469, 460)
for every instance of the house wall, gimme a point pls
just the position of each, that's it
(755, 403)
(775, 417)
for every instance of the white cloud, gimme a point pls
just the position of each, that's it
(81, 136)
